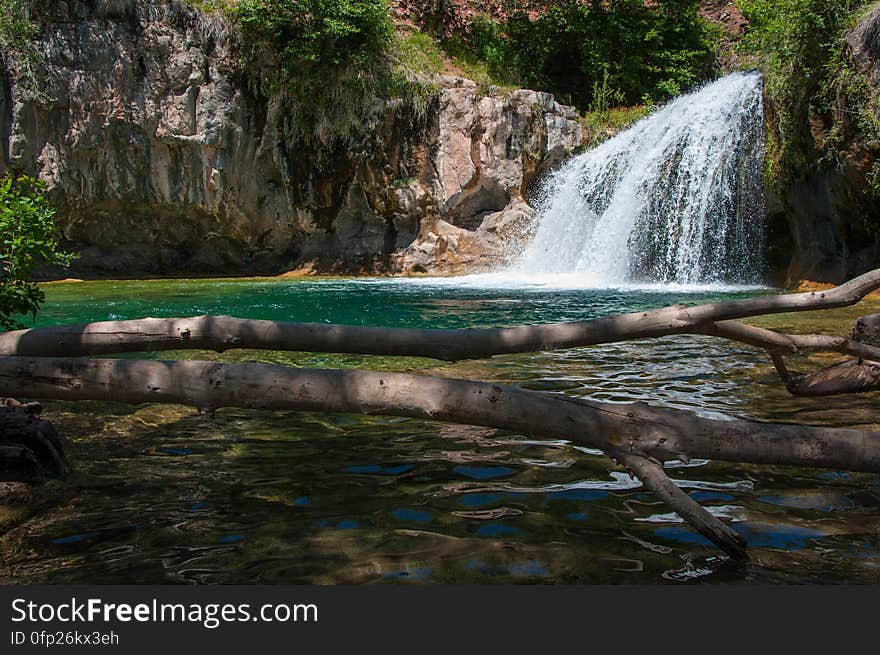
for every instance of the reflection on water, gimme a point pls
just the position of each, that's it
(165, 494)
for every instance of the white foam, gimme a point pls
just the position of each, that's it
(556, 282)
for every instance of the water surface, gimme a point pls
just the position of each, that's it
(166, 494)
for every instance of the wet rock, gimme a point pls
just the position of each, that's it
(445, 249)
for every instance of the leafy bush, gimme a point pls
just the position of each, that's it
(605, 97)
(801, 48)
(18, 47)
(27, 238)
(573, 49)
(317, 34)
(419, 53)
(333, 64)
(488, 41)
(211, 6)
(602, 125)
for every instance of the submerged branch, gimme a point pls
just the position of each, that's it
(850, 376)
(653, 476)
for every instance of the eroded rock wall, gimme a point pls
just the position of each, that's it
(165, 158)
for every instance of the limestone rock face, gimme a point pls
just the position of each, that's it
(444, 249)
(164, 157)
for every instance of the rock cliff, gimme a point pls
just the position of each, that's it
(825, 226)
(164, 157)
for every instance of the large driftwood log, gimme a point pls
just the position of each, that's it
(223, 332)
(858, 375)
(850, 376)
(635, 434)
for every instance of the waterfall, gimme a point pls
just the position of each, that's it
(676, 198)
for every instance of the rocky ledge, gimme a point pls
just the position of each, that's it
(164, 158)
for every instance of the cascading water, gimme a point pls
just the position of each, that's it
(677, 198)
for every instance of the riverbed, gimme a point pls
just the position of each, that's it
(165, 494)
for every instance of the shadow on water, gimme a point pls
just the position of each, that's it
(166, 494)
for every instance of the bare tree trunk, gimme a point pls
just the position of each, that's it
(632, 433)
(658, 432)
(223, 332)
(850, 376)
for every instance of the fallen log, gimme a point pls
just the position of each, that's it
(222, 333)
(625, 431)
(850, 376)
(658, 432)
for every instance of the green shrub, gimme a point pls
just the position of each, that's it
(211, 6)
(574, 49)
(333, 63)
(419, 53)
(800, 46)
(18, 34)
(490, 45)
(326, 57)
(600, 126)
(605, 97)
(317, 34)
(27, 238)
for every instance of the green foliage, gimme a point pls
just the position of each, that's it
(18, 35)
(795, 37)
(27, 238)
(16, 29)
(418, 58)
(485, 54)
(211, 6)
(492, 48)
(818, 100)
(317, 34)
(605, 97)
(601, 125)
(333, 63)
(874, 178)
(419, 53)
(575, 48)
(337, 62)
